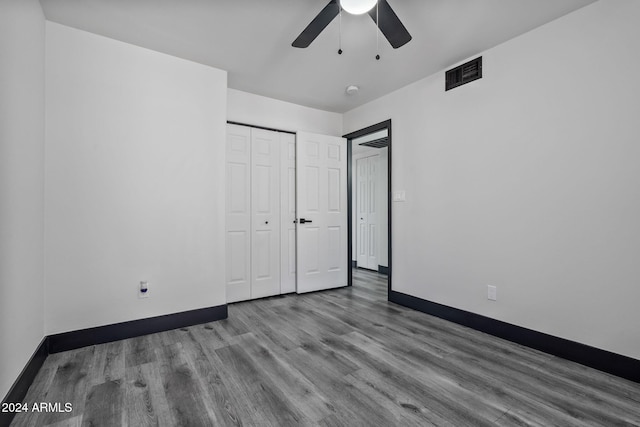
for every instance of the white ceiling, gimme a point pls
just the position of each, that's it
(251, 39)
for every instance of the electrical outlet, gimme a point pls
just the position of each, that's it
(492, 293)
(143, 290)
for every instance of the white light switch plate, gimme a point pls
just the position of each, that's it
(399, 196)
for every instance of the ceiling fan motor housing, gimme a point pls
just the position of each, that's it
(357, 7)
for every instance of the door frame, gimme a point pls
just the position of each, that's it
(350, 136)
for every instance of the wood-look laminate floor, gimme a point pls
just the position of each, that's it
(344, 357)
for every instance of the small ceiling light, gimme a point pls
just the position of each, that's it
(357, 7)
(352, 89)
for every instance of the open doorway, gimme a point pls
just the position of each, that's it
(369, 201)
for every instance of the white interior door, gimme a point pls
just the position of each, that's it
(366, 211)
(265, 213)
(238, 215)
(321, 170)
(287, 213)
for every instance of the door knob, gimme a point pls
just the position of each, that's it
(303, 221)
(266, 222)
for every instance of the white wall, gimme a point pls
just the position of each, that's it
(21, 185)
(134, 182)
(250, 109)
(528, 180)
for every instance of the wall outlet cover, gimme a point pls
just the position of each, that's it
(492, 293)
(143, 290)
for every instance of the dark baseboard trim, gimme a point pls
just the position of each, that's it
(135, 328)
(354, 264)
(612, 363)
(383, 270)
(19, 389)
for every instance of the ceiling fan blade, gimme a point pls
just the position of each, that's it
(390, 25)
(318, 24)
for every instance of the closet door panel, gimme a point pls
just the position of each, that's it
(265, 213)
(287, 213)
(238, 215)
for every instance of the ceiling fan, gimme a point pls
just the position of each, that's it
(386, 19)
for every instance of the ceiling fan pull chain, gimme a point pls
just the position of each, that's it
(377, 33)
(340, 32)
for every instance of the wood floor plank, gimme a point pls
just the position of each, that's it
(394, 400)
(214, 335)
(104, 405)
(268, 324)
(146, 402)
(268, 402)
(69, 385)
(236, 326)
(139, 406)
(183, 392)
(354, 407)
(226, 407)
(301, 392)
(38, 391)
(139, 350)
(108, 363)
(70, 422)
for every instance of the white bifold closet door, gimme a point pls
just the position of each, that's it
(257, 209)
(321, 189)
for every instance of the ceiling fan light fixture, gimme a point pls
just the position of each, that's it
(357, 7)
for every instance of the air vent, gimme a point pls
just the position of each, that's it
(464, 73)
(377, 143)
